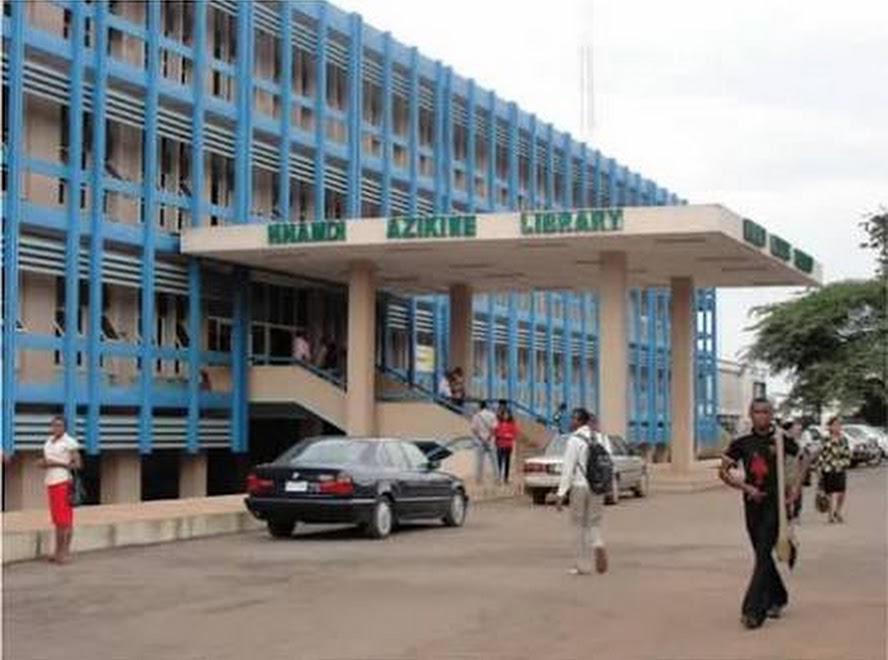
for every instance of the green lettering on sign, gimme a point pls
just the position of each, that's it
(754, 233)
(573, 222)
(432, 226)
(285, 233)
(780, 248)
(803, 261)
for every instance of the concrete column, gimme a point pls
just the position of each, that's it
(614, 342)
(461, 344)
(193, 475)
(23, 482)
(682, 389)
(121, 477)
(360, 400)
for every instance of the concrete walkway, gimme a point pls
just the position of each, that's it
(29, 534)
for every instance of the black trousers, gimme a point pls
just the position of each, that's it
(504, 457)
(766, 588)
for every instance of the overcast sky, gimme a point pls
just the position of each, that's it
(778, 110)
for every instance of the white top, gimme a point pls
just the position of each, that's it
(576, 455)
(444, 387)
(483, 424)
(301, 349)
(59, 450)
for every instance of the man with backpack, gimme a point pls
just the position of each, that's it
(586, 473)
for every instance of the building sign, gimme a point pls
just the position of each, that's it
(803, 261)
(572, 222)
(780, 248)
(433, 226)
(284, 233)
(424, 359)
(754, 233)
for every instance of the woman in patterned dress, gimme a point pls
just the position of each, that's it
(833, 461)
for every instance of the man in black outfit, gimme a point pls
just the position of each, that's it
(766, 595)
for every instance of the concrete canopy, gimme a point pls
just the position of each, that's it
(520, 251)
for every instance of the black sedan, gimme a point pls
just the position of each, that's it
(371, 482)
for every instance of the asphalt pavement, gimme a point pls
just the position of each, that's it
(495, 589)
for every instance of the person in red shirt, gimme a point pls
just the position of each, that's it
(505, 433)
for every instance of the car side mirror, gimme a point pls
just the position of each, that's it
(433, 465)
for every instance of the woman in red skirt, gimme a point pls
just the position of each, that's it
(60, 456)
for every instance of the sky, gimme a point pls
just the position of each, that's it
(778, 110)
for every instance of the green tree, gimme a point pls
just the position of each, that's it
(876, 228)
(832, 343)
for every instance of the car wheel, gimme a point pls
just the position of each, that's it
(644, 484)
(614, 496)
(456, 512)
(539, 497)
(281, 529)
(382, 521)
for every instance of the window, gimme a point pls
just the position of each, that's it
(394, 457)
(400, 115)
(336, 87)
(416, 460)
(372, 103)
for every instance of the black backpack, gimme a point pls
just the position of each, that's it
(599, 468)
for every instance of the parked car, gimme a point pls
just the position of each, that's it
(374, 483)
(542, 473)
(864, 443)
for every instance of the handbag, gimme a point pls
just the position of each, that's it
(821, 499)
(77, 492)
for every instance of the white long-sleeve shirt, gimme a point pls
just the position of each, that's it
(576, 456)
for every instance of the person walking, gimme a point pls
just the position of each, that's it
(444, 391)
(793, 429)
(457, 387)
(766, 595)
(586, 507)
(833, 463)
(561, 420)
(505, 433)
(60, 456)
(483, 427)
(301, 347)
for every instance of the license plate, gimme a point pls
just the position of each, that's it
(296, 486)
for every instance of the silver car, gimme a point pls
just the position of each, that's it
(542, 473)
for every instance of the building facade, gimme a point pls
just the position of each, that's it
(127, 121)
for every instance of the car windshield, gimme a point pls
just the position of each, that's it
(557, 446)
(331, 452)
(855, 431)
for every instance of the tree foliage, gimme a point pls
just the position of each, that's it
(876, 228)
(832, 343)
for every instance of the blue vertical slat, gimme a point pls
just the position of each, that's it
(567, 200)
(597, 192)
(470, 144)
(513, 156)
(492, 185)
(386, 191)
(448, 140)
(72, 239)
(11, 220)
(286, 94)
(550, 166)
(320, 112)
(97, 195)
(567, 348)
(651, 296)
(240, 333)
(149, 229)
(491, 350)
(192, 437)
(356, 106)
(584, 200)
(612, 181)
(532, 179)
(550, 355)
(531, 349)
(244, 130)
(414, 132)
(512, 373)
(411, 341)
(438, 137)
(584, 346)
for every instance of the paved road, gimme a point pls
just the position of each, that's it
(496, 589)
